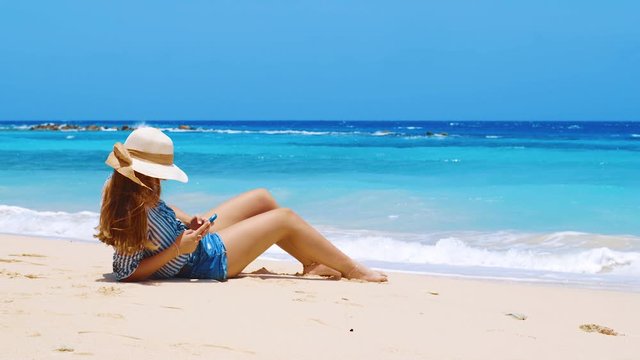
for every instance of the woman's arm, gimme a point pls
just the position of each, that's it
(153, 263)
(181, 215)
(186, 243)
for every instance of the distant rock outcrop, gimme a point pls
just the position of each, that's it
(69, 127)
(73, 127)
(47, 126)
(441, 134)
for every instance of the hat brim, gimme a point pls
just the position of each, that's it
(167, 172)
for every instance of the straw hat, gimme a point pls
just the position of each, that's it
(148, 151)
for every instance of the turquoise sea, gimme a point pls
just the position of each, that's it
(538, 201)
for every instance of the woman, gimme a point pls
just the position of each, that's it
(151, 239)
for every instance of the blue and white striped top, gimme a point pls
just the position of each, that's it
(164, 229)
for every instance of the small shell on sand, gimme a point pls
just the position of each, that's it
(599, 329)
(64, 349)
(517, 316)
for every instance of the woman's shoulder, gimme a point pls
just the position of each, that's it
(161, 208)
(163, 216)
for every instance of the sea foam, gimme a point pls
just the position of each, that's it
(457, 252)
(17, 220)
(560, 252)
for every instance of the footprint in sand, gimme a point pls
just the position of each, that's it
(109, 290)
(346, 301)
(10, 260)
(9, 274)
(318, 321)
(111, 316)
(13, 312)
(28, 255)
(109, 333)
(13, 275)
(306, 297)
(190, 347)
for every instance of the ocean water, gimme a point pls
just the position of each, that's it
(538, 201)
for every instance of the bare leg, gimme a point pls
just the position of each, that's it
(248, 239)
(259, 201)
(247, 205)
(241, 207)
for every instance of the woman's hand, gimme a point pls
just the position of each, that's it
(196, 222)
(189, 240)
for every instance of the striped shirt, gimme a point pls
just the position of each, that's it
(163, 230)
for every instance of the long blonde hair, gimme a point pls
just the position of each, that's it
(123, 214)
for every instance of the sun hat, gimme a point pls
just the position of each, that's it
(148, 151)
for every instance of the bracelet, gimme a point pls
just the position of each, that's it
(177, 249)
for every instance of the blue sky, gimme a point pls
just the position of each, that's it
(333, 60)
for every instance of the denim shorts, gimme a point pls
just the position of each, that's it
(208, 261)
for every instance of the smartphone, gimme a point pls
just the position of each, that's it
(213, 218)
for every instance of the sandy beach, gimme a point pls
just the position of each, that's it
(59, 301)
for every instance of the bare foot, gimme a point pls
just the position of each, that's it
(361, 272)
(321, 270)
(381, 273)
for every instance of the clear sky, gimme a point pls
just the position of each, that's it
(333, 60)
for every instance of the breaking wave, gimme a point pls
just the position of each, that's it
(563, 252)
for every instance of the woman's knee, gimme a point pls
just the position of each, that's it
(264, 199)
(285, 217)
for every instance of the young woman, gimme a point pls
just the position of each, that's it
(154, 240)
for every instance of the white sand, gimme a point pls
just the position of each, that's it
(56, 303)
